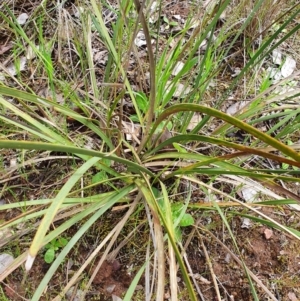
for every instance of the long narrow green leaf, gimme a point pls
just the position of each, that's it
(232, 120)
(134, 283)
(10, 144)
(254, 293)
(18, 29)
(108, 204)
(54, 207)
(222, 142)
(101, 28)
(153, 204)
(45, 102)
(38, 128)
(68, 201)
(221, 167)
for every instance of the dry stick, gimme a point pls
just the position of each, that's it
(183, 254)
(112, 255)
(151, 229)
(243, 204)
(13, 265)
(20, 260)
(258, 281)
(27, 230)
(159, 244)
(213, 275)
(232, 254)
(2, 67)
(73, 296)
(3, 189)
(191, 235)
(13, 292)
(173, 272)
(114, 233)
(75, 277)
(159, 238)
(150, 113)
(119, 227)
(147, 274)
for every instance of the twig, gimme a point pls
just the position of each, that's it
(213, 275)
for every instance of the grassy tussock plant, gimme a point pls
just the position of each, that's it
(147, 143)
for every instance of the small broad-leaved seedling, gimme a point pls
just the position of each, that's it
(185, 219)
(52, 247)
(169, 23)
(179, 216)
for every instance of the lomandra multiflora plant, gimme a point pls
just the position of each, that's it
(162, 157)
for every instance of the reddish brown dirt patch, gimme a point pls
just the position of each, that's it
(14, 291)
(274, 261)
(111, 279)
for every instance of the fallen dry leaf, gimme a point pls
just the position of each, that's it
(277, 57)
(180, 89)
(22, 18)
(195, 120)
(288, 67)
(249, 194)
(292, 296)
(201, 279)
(236, 107)
(4, 48)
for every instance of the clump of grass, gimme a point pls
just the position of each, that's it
(162, 148)
(266, 14)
